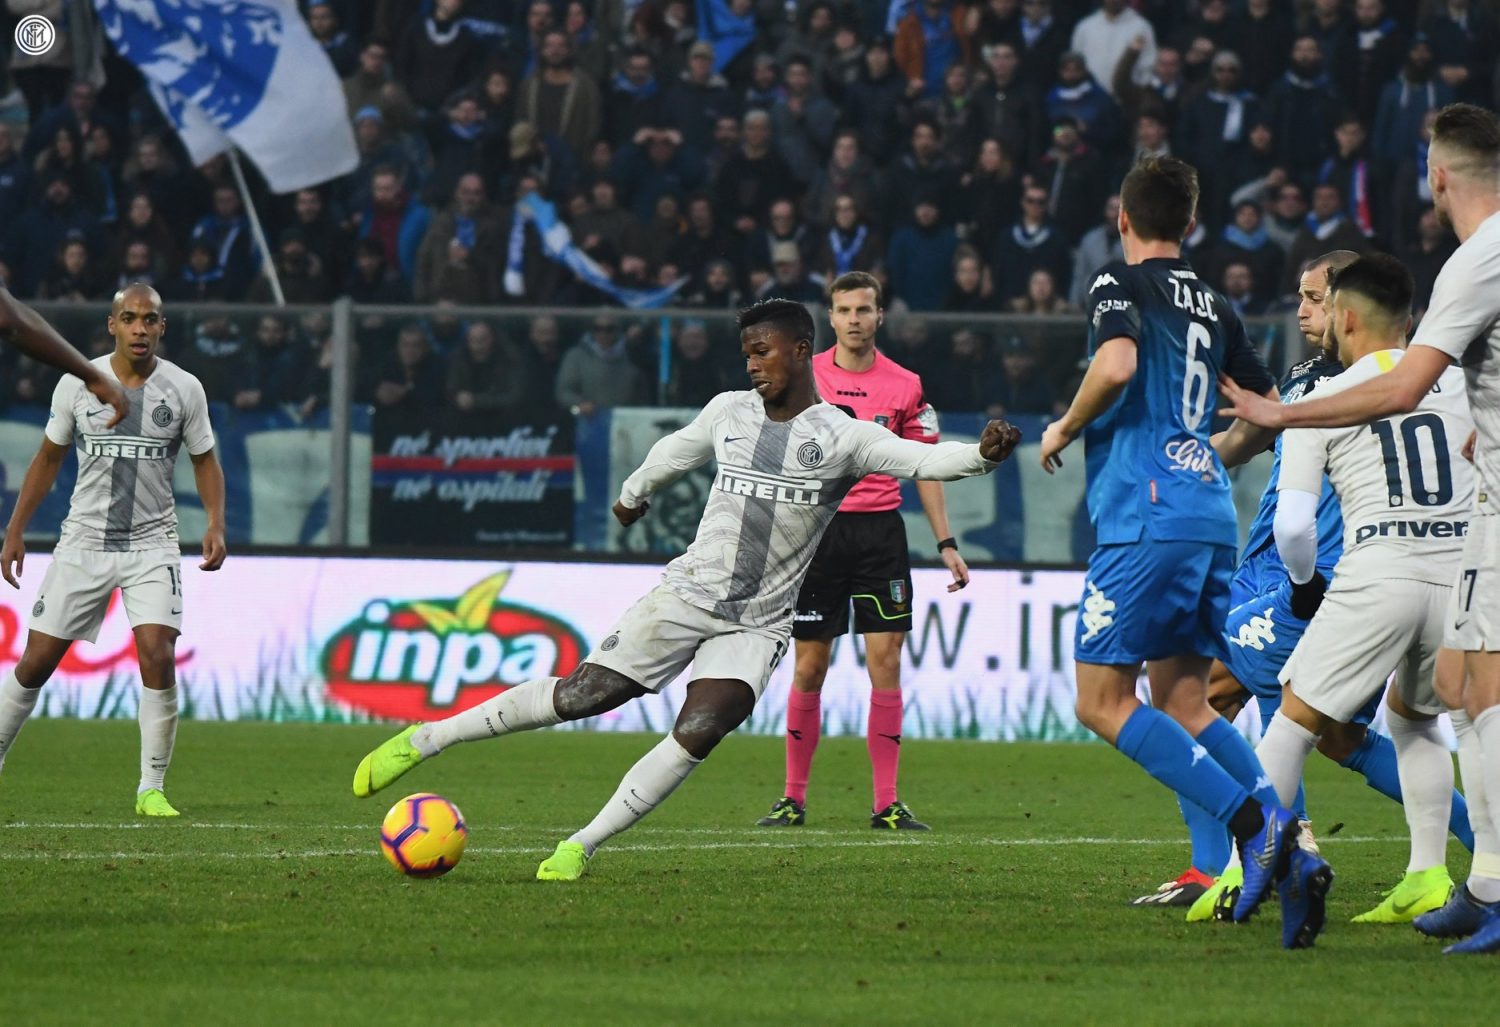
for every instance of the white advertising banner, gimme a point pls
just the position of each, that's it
(350, 639)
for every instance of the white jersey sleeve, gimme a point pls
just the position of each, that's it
(1465, 300)
(1304, 458)
(1463, 321)
(674, 455)
(197, 432)
(877, 451)
(61, 419)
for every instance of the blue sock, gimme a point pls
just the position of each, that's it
(1375, 760)
(1169, 754)
(1230, 751)
(1299, 802)
(1210, 840)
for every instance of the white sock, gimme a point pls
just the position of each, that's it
(1283, 752)
(16, 704)
(1486, 839)
(644, 787)
(522, 708)
(1486, 869)
(1426, 770)
(158, 716)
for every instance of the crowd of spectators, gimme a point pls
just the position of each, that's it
(964, 152)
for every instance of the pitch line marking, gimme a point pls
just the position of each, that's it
(520, 850)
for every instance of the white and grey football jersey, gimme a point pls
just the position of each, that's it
(1405, 489)
(122, 500)
(778, 485)
(1463, 321)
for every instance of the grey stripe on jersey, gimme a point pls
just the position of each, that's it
(754, 546)
(123, 475)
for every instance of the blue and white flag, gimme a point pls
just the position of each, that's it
(558, 244)
(243, 73)
(729, 33)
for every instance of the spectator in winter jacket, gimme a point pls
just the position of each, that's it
(695, 103)
(394, 220)
(803, 122)
(922, 171)
(655, 164)
(438, 54)
(1302, 109)
(875, 102)
(1079, 96)
(1405, 101)
(462, 253)
(1373, 53)
(559, 99)
(486, 375)
(1031, 242)
(919, 259)
(598, 372)
(633, 99)
(933, 35)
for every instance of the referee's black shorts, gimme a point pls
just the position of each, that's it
(862, 558)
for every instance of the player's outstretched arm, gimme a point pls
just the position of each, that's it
(877, 451)
(32, 335)
(40, 477)
(209, 477)
(686, 449)
(1109, 372)
(1398, 391)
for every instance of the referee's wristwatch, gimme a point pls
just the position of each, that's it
(947, 543)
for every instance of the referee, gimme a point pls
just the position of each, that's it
(862, 558)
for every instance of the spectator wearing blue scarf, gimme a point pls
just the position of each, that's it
(634, 99)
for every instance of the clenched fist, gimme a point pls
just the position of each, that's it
(998, 440)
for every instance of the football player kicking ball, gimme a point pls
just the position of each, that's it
(121, 529)
(862, 559)
(785, 462)
(1406, 493)
(1462, 325)
(1157, 589)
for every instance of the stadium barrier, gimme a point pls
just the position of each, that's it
(346, 639)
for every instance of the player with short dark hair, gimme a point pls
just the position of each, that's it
(1157, 589)
(121, 529)
(862, 559)
(1462, 325)
(1406, 494)
(785, 462)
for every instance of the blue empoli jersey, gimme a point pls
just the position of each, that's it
(1151, 470)
(1300, 380)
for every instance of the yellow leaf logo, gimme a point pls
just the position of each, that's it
(471, 611)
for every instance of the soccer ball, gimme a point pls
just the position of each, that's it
(423, 835)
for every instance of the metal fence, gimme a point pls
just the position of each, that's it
(317, 455)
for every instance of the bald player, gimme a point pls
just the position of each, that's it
(121, 529)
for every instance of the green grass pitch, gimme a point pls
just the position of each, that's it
(269, 902)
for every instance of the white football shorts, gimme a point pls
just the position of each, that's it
(1474, 609)
(77, 587)
(661, 634)
(1362, 633)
